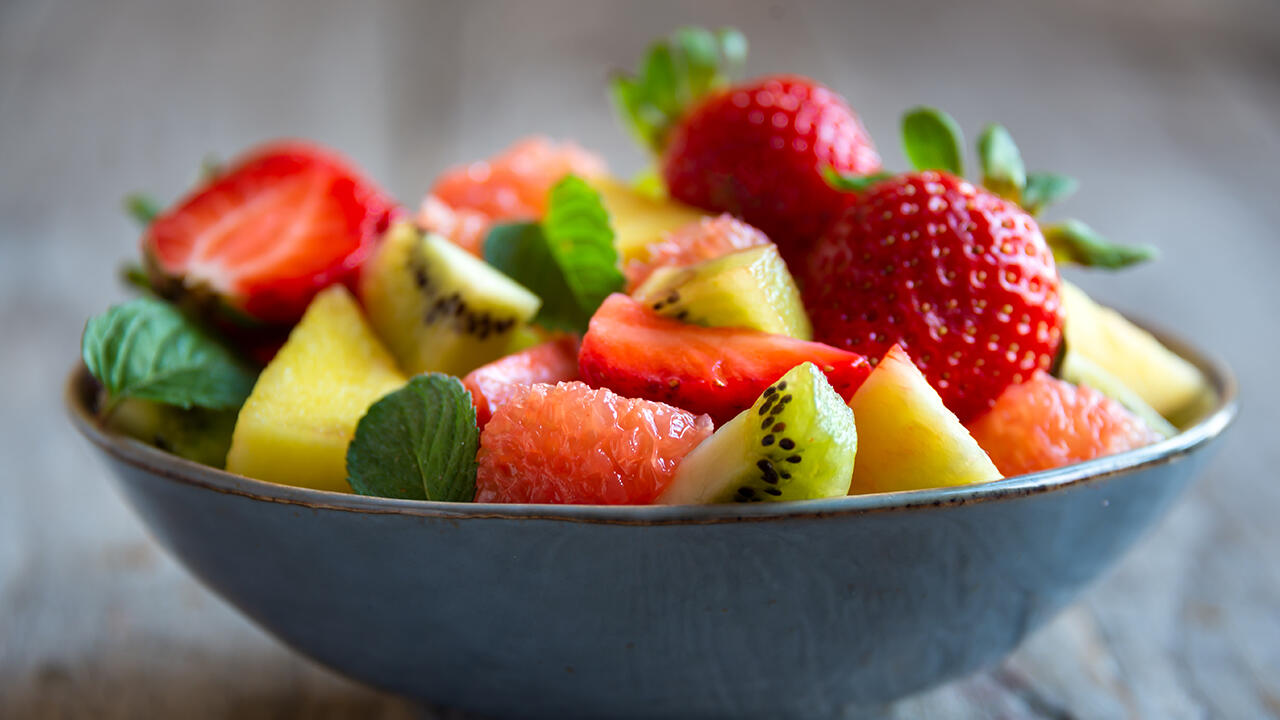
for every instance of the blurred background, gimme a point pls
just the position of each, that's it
(1168, 112)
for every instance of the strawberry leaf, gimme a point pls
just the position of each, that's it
(1073, 242)
(1003, 172)
(932, 140)
(852, 183)
(1044, 189)
(417, 443)
(676, 73)
(142, 208)
(149, 350)
(568, 259)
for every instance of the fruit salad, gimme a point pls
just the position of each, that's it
(768, 314)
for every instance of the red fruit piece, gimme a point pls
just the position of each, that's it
(514, 184)
(961, 278)
(283, 222)
(493, 385)
(757, 150)
(569, 443)
(635, 352)
(466, 228)
(1046, 423)
(700, 240)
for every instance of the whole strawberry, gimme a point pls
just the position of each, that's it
(959, 274)
(757, 150)
(960, 277)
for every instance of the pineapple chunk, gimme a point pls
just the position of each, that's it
(640, 220)
(907, 439)
(1169, 384)
(295, 427)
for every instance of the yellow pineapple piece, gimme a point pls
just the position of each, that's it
(1172, 386)
(907, 439)
(295, 427)
(639, 219)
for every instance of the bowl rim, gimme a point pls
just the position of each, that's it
(80, 386)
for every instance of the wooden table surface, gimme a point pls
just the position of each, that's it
(1169, 114)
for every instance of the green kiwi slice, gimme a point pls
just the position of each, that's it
(748, 289)
(437, 307)
(797, 442)
(197, 433)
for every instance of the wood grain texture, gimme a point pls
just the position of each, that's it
(1169, 113)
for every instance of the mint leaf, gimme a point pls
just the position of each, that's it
(147, 349)
(852, 183)
(1044, 189)
(932, 140)
(676, 72)
(1003, 172)
(1076, 243)
(568, 259)
(417, 443)
(142, 208)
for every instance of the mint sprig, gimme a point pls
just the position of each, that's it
(417, 443)
(676, 72)
(568, 259)
(147, 349)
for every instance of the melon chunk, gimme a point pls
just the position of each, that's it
(907, 438)
(1172, 386)
(295, 427)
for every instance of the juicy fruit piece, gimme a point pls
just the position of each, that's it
(749, 289)
(699, 240)
(1169, 384)
(464, 227)
(1080, 370)
(635, 352)
(263, 237)
(438, 308)
(640, 220)
(198, 434)
(493, 385)
(570, 443)
(909, 440)
(1046, 423)
(295, 427)
(959, 277)
(514, 184)
(758, 150)
(775, 450)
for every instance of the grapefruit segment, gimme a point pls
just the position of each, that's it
(570, 443)
(492, 385)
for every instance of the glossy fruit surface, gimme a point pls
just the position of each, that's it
(703, 239)
(570, 443)
(1046, 423)
(264, 236)
(719, 371)
(492, 385)
(757, 150)
(514, 184)
(959, 277)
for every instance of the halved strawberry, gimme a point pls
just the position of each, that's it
(261, 239)
(637, 353)
(492, 385)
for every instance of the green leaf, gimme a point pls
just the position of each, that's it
(1074, 242)
(417, 443)
(932, 140)
(1045, 189)
(135, 276)
(147, 349)
(142, 208)
(852, 183)
(1003, 172)
(568, 260)
(676, 73)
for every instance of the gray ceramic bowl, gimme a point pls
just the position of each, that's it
(793, 610)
